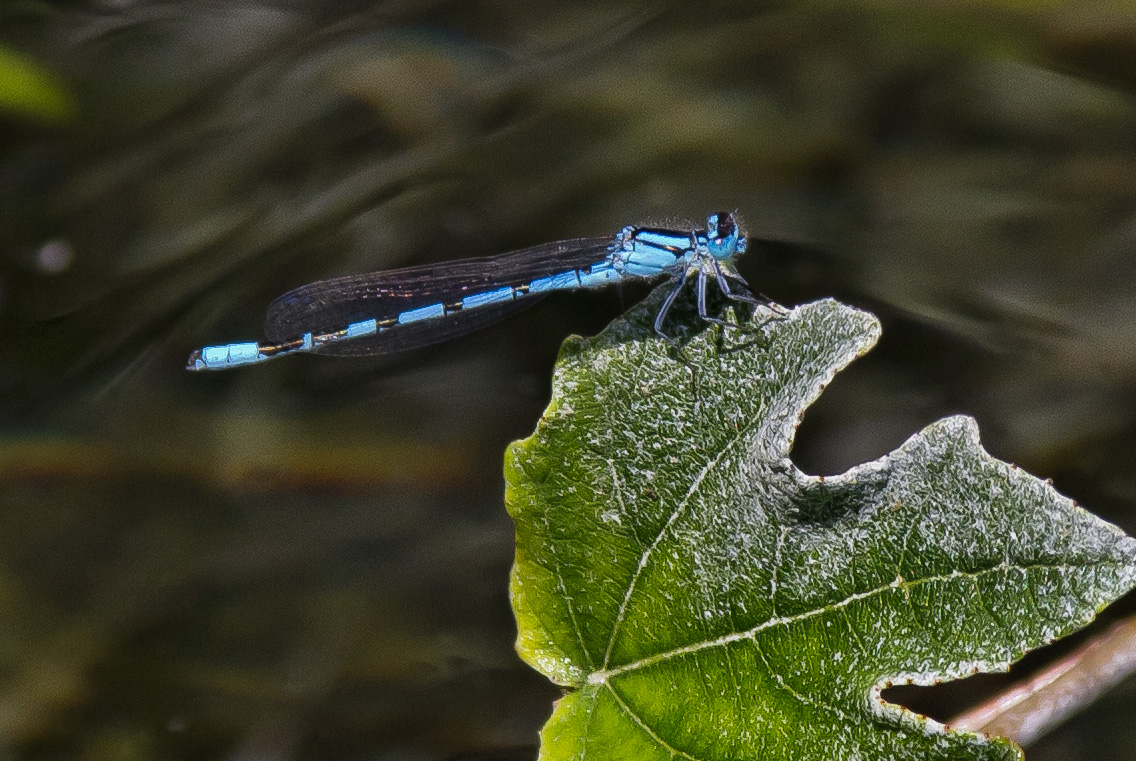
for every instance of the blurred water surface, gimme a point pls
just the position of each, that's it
(309, 559)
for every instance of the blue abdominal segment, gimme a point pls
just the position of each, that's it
(560, 282)
(492, 297)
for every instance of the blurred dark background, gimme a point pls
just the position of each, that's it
(308, 560)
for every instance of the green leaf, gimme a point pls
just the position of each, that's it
(705, 599)
(29, 90)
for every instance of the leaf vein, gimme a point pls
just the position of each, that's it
(647, 728)
(803, 699)
(898, 584)
(674, 516)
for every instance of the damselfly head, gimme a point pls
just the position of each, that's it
(723, 238)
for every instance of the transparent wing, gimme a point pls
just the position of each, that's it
(329, 305)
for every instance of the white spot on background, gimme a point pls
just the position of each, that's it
(55, 256)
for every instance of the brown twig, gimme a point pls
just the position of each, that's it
(1032, 708)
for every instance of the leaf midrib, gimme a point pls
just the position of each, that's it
(602, 676)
